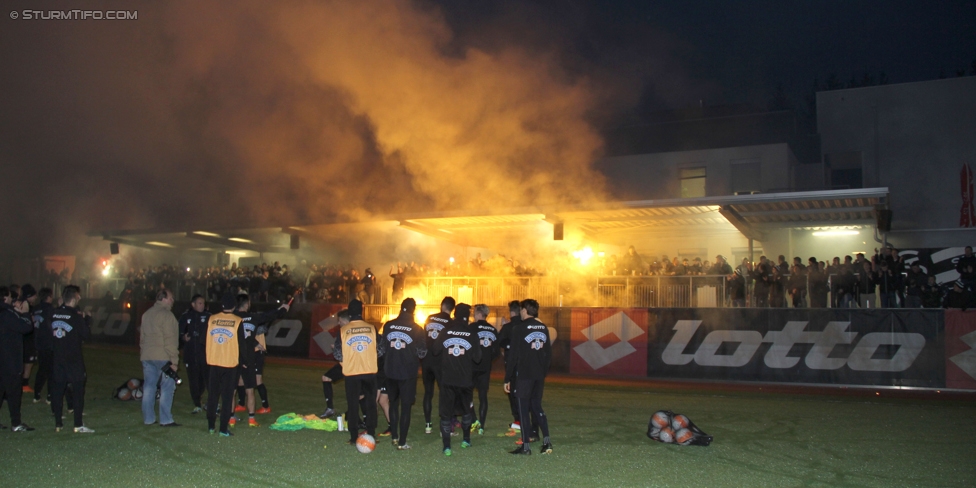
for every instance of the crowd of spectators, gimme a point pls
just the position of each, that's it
(884, 280)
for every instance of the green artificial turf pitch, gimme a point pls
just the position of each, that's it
(599, 434)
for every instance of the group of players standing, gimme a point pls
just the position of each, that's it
(33, 329)
(452, 353)
(223, 352)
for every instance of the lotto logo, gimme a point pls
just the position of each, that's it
(618, 329)
(861, 358)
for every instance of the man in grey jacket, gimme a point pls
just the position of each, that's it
(159, 348)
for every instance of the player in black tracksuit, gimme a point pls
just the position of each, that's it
(41, 316)
(457, 344)
(249, 362)
(525, 374)
(405, 346)
(70, 328)
(14, 323)
(193, 331)
(488, 341)
(431, 364)
(504, 344)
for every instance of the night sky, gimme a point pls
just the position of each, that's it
(221, 112)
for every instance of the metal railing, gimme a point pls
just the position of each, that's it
(607, 291)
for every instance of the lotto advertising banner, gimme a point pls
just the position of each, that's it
(287, 336)
(960, 332)
(879, 347)
(610, 342)
(324, 327)
(114, 322)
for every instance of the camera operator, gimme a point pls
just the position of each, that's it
(159, 348)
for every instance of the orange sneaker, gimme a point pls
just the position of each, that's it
(263, 410)
(253, 422)
(28, 389)
(240, 408)
(233, 421)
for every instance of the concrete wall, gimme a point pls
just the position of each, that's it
(914, 138)
(657, 176)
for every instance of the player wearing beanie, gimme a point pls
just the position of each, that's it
(405, 347)
(357, 349)
(225, 347)
(457, 344)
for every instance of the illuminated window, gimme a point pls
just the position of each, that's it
(692, 182)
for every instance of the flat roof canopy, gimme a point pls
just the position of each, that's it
(752, 215)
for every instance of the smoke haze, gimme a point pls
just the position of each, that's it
(220, 114)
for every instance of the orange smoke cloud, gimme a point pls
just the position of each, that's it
(330, 85)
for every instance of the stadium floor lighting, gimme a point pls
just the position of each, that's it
(833, 233)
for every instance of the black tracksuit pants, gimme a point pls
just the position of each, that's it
(481, 380)
(402, 394)
(45, 361)
(12, 389)
(62, 378)
(528, 394)
(430, 375)
(453, 399)
(197, 371)
(223, 381)
(363, 384)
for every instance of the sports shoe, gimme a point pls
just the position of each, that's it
(403, 447)
(385, 433)
(232, 422)
(362, 425)
(521, 450)
(427, 429)
(253, 422)
(327, 413)
(212, 431)
(196, 410)
(447, 451)
(475, 426)
(512, 433)
(84, 430)
(58, 428)
(27, 389)
(515, 425)
(171, 424)
(481, 431)
(226, 434)
(21, 428)
(465, 444)
(546, 448)
(37, 399)
(240, 408)
(263, 410)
